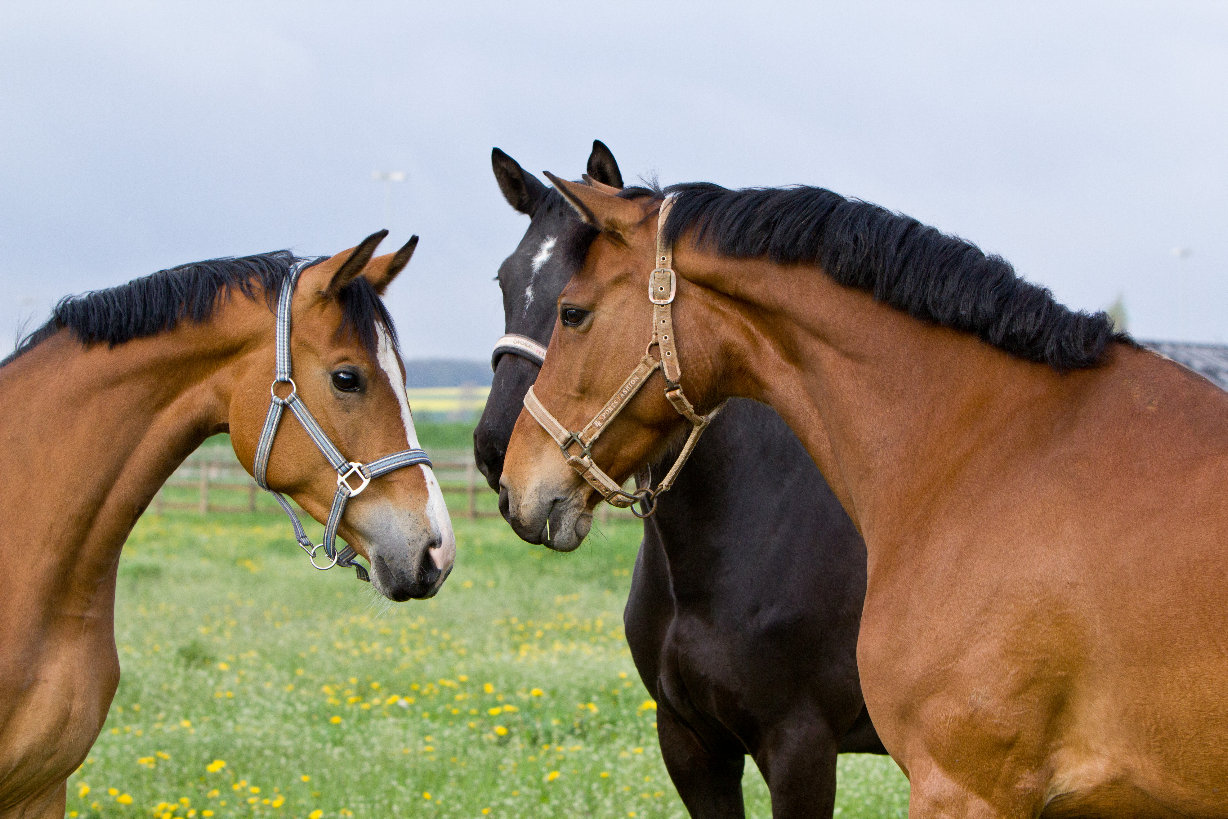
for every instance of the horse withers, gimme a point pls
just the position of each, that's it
(1042, 500)
(746, 594)
(104, 402)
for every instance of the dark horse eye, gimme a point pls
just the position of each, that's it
(572, 316)
(347, 381)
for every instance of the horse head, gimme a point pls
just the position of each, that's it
(531, 278)
(345, 371)
(606, 424)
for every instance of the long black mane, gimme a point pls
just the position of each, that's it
(904, 263)
(158, 302)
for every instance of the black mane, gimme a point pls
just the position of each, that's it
(158, 302)
(904, 263)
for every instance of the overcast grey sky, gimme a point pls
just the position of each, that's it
(1085, 140)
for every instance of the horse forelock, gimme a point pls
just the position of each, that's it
(909, 265)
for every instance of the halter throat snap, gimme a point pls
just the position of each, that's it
(352, 477)
(577, 446)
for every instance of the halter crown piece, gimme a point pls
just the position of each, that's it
(662, 287)
(352, 477)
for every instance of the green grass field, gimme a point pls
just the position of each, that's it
(254, 685)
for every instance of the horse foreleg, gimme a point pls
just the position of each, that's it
(799, 764)
(709, 780)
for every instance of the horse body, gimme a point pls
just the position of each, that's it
(744, 602)
(1047, 543)
(92, 431)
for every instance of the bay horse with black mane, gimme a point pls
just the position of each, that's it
(747, 590)
(1042, 500)
(101, 405)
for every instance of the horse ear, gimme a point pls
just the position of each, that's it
(383, 269)
(602, 210)
(521, 190)
(601, 186)
(353, 264)
(602, 167)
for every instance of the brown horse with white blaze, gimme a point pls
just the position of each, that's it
(107, 399)
(1042, 501)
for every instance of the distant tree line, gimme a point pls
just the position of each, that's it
(446, 372)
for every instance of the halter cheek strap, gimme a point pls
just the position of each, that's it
(577, 446)
(352, 477)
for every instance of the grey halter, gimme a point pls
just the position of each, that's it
(352, 477)
(523, 346)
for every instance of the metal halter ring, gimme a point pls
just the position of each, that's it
(288, 398)
(311, 555)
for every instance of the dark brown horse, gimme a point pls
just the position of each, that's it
(109, 397)
(1042, 501)
(747, 590)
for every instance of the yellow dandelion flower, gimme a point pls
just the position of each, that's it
(315, 814)
(488, 688)
(553, 775)
(83, 791)
(124, 799)
(426, 794)
(536, 692)
(648, 705)
(305, 778)
(334, 719)
(500, 730)
(215, 766)
(498, 709)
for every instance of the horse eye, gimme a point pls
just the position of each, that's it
(572, 316)
(347, 381)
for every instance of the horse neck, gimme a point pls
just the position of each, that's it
(864, 386)
(101, 428)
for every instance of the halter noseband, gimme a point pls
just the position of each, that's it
(662, 287)
(352, 477)
(523, 346)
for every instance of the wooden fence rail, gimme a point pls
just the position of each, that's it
(216, 483)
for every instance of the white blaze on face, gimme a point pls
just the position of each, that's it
(543, 255)
(437, 512)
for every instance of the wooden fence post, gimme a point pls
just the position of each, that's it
(204, 487)
(471, 488)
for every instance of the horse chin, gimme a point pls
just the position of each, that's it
(569, 531)
(407, 567)
(557, 520)
(400, 583)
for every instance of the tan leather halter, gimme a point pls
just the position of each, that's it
(662, 287)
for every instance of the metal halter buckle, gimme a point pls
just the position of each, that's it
(586, 450)
(656, 288)
(343, 479)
